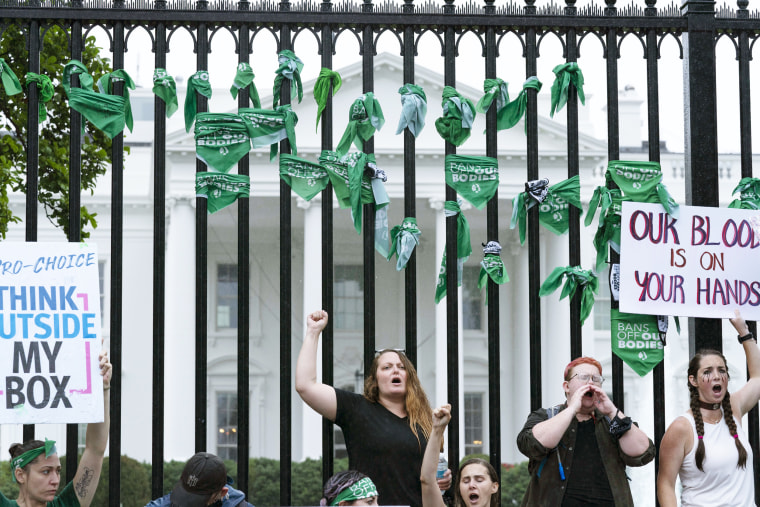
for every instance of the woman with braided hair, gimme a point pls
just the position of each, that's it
(707, 446)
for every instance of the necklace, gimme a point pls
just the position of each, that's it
(708, 406)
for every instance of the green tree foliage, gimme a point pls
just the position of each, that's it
(54, 133)
(514, 483)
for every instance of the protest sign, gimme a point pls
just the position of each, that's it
(49, 333)
(703, 264)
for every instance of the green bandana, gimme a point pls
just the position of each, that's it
(327, 79)
(290, 69)
(166, 89)
(221, 140)
(24, 459)
(515, 110)
(608, 233)
(413, 109)
(404, 238)
(106, 112)
(553, 205)
(305, 178)
(566, 73)
(268, 127)
(474, 178)
(641, 181)
(364, 118)
(575, 277)
(458, 114)
(220, 189)
(749, 194)
(9, 79)
(464, 247)
(106, 86)
(492, 266)
(363, 488)
(44, 93)
(244, 77)
(495, 89)
(637, 340)
(198, 83)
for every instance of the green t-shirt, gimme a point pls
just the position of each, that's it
(67, 498)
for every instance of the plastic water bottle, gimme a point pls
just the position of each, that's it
(443, 465)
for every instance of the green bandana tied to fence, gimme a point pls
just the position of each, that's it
(404, 238)
(515, 110)
(10, 81)
(637, 340)
(363, 488)
(749, 194)
(221, 140)
(492, 266)
(166, 89)
(553, 204)
(458, 115)
(495, 89)
(305, 178)
(106, 85)
(608, 233)
(268, 127)
(364, 118)
(20, 461)
(474, 178)
(464, 248)
(197, 83)
(413, 109)
(44, 93)
(290, 69)
(106, 112)
(566, 73)
(575, 277)
(244, 77)
(221, 189)
(641, 181)
(327, 80)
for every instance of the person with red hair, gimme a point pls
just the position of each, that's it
(579, 450)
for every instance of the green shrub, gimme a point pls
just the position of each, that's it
(514, 482)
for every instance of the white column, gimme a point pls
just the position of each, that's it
(311, 422)
(179, 358)
(555, 335)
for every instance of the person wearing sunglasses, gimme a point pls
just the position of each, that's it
(579, 450)
(386, 428)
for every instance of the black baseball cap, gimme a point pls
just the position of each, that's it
(203, 476)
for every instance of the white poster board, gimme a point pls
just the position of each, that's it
(706, 263)
(49, 333)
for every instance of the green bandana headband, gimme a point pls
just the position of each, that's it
(553, 205)
(165, 88)
(305, 178)
(363, 488)
(221, 140)
(221, 189)
(365, 116)
(637, 340)
(106, 86)
(458, 115)
(641, 181)
(198, 83)
(327, 79)
(10, 81)
(566, 73)
(244, 77)
(413, 109)
(24, 459)
(404, 238)
(290, 69)
(749, 194)
(492, 266)
(474, 178)
(575, 278)
(495, 89)
(515, 110)
(464, 247)
(268, 127)
(44, 93)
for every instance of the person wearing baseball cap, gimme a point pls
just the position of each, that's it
(203, 482)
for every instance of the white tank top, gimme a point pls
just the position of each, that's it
(721, 483)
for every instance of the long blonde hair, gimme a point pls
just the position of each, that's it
(416, 402)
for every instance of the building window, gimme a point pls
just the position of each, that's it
(349, 298)
(226, 296)
(602, 303)
(473, 423)
(227, 425)
(472, 299)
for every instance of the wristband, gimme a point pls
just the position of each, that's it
(619, 426)
(748, 336)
